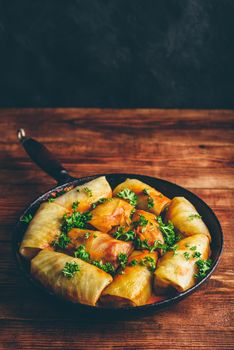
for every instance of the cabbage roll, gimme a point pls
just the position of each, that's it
(134, 286)
(148, 198)
(146, 227)
(85, 194)
(185, 218)
(85, 286)
(43, 228)
(113, 212)
(177, 268)
(100, 246)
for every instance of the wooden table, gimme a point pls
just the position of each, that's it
(191, 148)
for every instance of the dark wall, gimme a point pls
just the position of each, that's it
(119, 53)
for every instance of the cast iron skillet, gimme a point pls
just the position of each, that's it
(45, 160)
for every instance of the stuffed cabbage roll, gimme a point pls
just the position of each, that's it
(177, 268)
(100, 246)
(85, 194)
(146, 227)
(82, 284)
(148, 198)
(185, 218)
(134, 286)
(113, 212)
(43, 228)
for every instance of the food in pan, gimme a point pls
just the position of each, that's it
(125, 248)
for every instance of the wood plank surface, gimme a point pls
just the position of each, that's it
(193, 148)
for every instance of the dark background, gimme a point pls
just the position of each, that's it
(119, 53)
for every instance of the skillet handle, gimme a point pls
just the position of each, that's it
(44, 158)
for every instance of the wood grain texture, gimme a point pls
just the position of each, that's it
(191, 148)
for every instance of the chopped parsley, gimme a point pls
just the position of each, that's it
(61, 242)
(161, 196)
(186, 255)
(133, 262)
(145, 245)
(88, 191)
(122, 260)
(141, 222)
(203, 268)
(149, 262)
(146, 191)
(26, 218)
(150, 203)
(129, 195)
(124, 236)
(82, 254)
(194, 216)
(76, 219)
(167, 231)
(196, 255)
(70, 269)
(107, 267)
(193, 247)
(75, 205)
(51, 200)
(87, 235)
(100, 201)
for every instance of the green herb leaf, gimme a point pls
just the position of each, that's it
(100, 201)
(194, 216)
(122, 260)
(75, 205)
(150, 202)
(76, 219)
(141, 222)
(146, 191)
(26, 218)
(203, 268)
(61, 242)
(193, 247)
(133, 262)
(87, 235)
(196, 255)
(51, 200)
(70, 269)
(186, 255)
(88, 191)
(130, 196)
(168, 231)
(82, 254)
(124, 236)
(149, 262)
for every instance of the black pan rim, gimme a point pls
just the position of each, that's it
(154, 306)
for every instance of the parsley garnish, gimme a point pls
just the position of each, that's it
(150, 202)
(167, 231)
(26, 218)
(130, 196)
(149, 262)
(145, 245)
(82, 254)
(100, 201)
(193, 247)
(88, 191)
(141, 222)
(196, 255)
(194, 216)
(122, 260)
(70, 269)
(76, 219)
(107, 267)
(51, 200)
(75, 205)
(146, 191)
(133, 262)
(62, 241)
(124, 236)
(186, 255)
(87, 235)
(203, 268)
